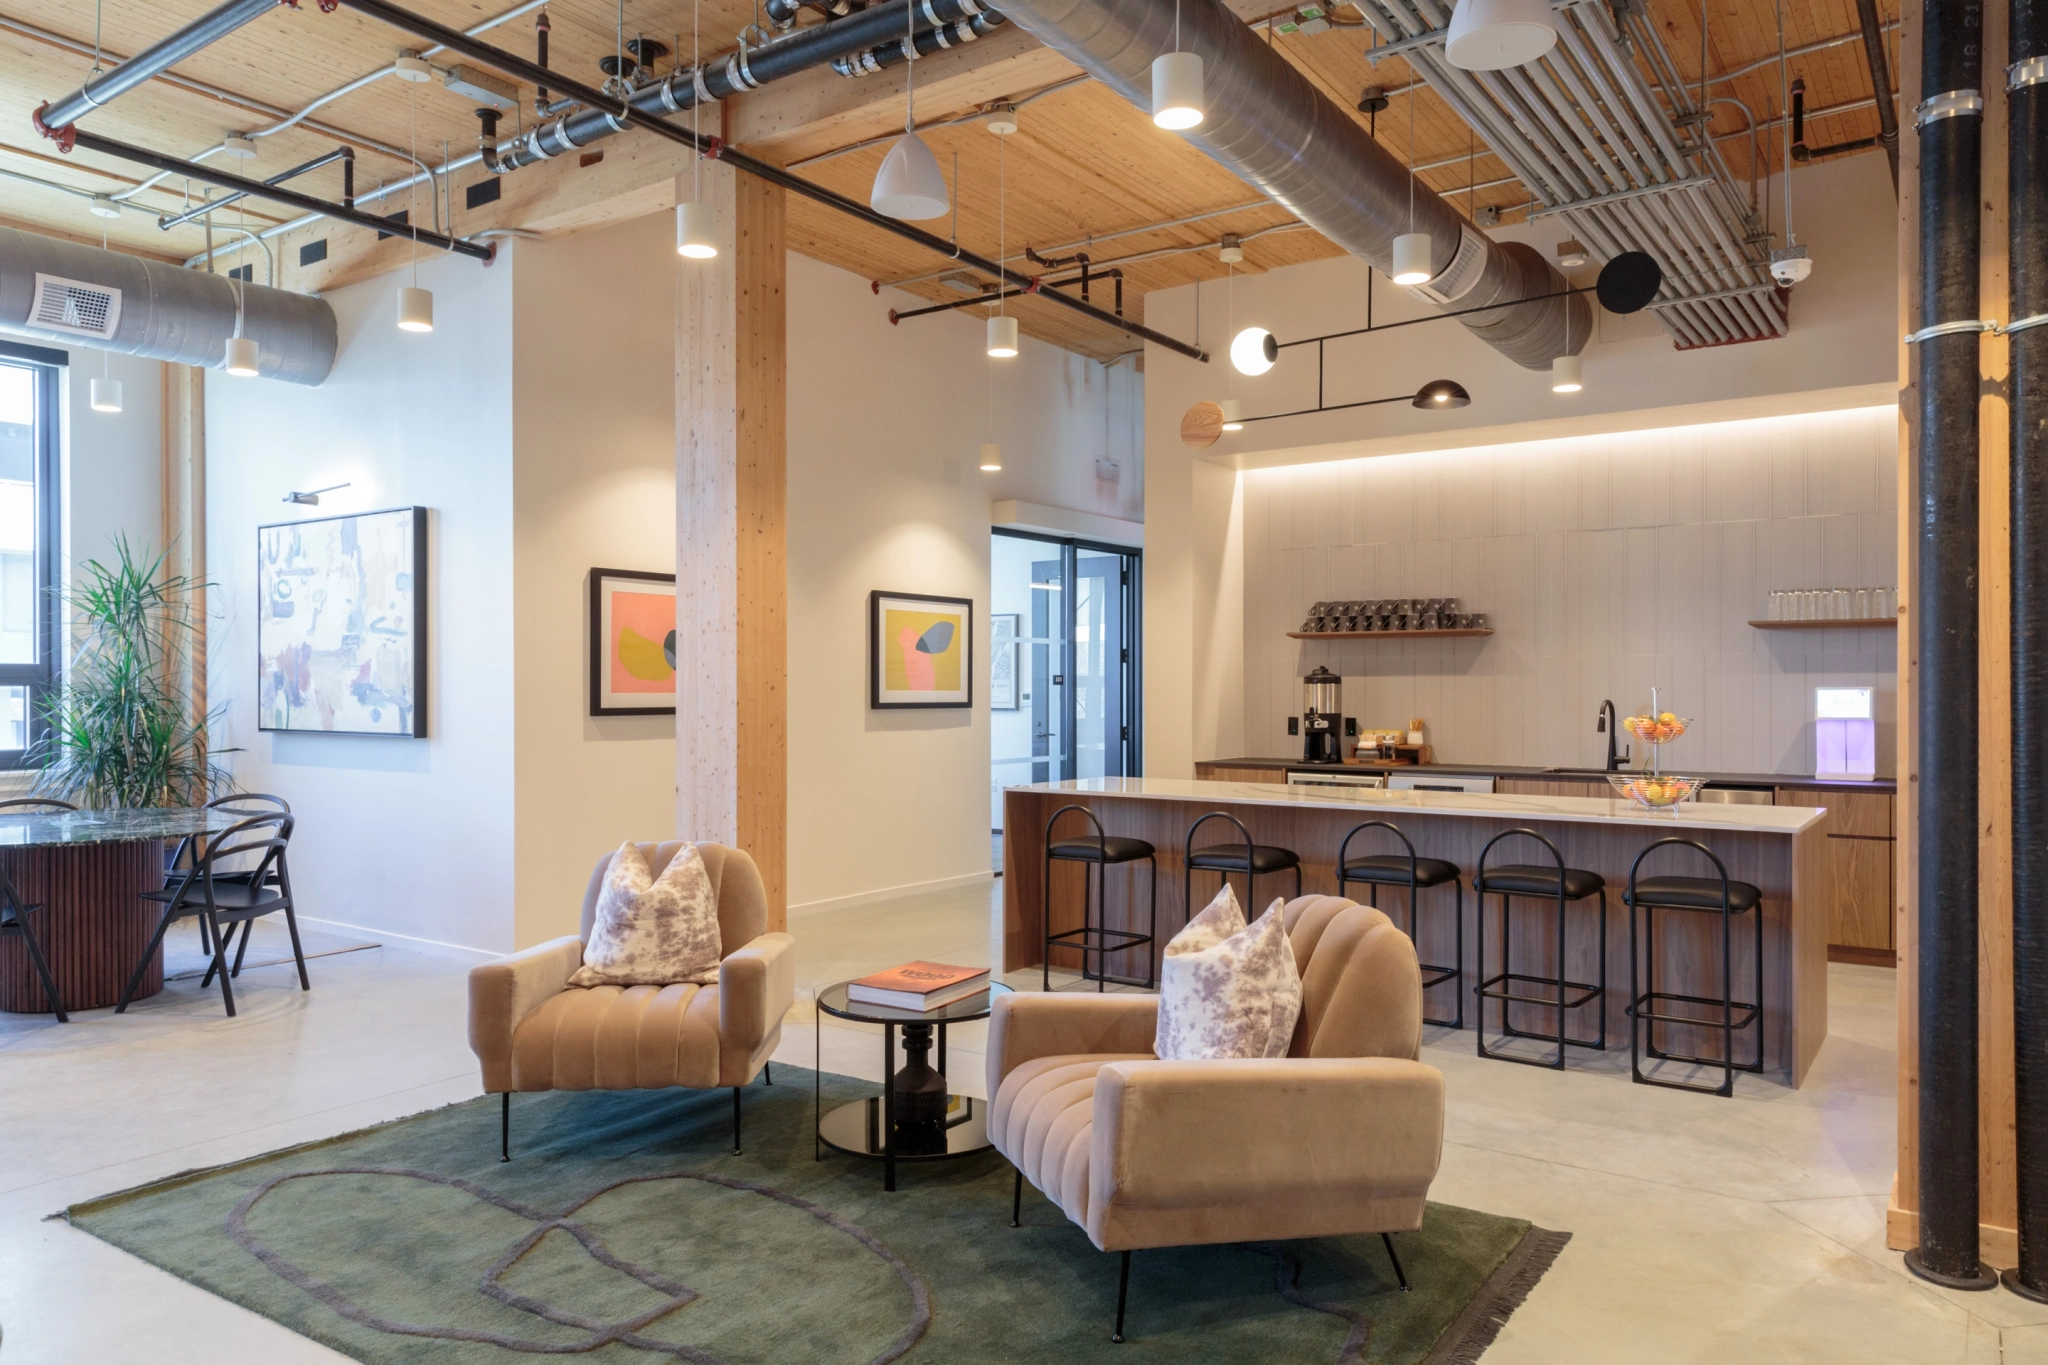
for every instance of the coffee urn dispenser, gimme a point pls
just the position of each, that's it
(1322, 719)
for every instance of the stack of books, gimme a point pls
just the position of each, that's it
(919, 986)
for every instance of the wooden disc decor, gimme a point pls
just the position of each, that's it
(1203, 425)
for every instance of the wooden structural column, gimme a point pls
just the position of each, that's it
(184, 514)
(731, 577)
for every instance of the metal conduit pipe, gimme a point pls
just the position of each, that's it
(729, 74)
(164, 312)
(956, 34)
(1881, 84)
(2027, 387)
(55, 118)
(1274, 129)
(1943, 615)
(347, 155)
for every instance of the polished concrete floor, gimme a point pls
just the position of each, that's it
(1704, 1230)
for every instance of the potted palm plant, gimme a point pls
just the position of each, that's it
(119, 732)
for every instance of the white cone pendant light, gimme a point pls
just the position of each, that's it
(1002, 337)
(909, 185)
(1233, 414)
(991, 458)
(106, 395)
(1177, 90)
(1411, 259)
(1253, 351)
(415, 309)
(696, 231)
(241, 359)
(1488, 35)
(1565, 375)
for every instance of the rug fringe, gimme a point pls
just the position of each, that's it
(1468, 1338)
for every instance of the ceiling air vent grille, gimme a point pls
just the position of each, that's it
(1461, 274)
(62, 305)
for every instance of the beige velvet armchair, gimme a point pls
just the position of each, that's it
(1342, 1135)
(532, 1030)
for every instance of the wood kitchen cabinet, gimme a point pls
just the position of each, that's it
(1552, 786)
(1860, 842)
(1223, 772)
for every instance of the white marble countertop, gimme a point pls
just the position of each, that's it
(1580, 809)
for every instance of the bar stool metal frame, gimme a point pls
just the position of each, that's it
(1188, 866)
(1501, 986)
(1442, 974)
(1093, 939)
(1642, 1009)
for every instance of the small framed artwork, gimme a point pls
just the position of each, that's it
(632, 643)
(341, 625)
(920, 651)
(1002, 660)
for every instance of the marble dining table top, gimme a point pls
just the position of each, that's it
(51, 829)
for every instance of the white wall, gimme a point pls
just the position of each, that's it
(113, 461)
(593, 487)
(885, 424)
(402, 837)
(1606, 565)
(1839, 354)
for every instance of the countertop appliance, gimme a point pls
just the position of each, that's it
(1335, 777)
(1322, 717)
(1439, 782)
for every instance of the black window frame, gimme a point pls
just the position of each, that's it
(41, 676)
(1132, 699)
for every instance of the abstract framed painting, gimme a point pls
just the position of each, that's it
(1002, 660)
(341, 626)
(920, 651)
(632, 643)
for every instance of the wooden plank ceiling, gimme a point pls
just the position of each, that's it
(1084, 164)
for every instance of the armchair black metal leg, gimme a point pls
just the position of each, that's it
(1123, 1291)
(1017, 1201)
(505, 1127)
(1399, 1274)
(35, 957)
(155, 942)
(735, 1120)
(767, 1073)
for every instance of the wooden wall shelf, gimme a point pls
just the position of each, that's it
(1379, 634)
(1849, 623)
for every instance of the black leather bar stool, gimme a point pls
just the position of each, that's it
(1100, 851)
(1249, 858)
(1564, 885)
(1417, 874)
(1715, 896)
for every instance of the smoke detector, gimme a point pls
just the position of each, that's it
(1232, 251)
(240, 146)
(1571, 253)
(104, 207)
(1002, 119)
(1790, 265)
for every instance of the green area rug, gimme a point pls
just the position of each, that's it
(624, 1230)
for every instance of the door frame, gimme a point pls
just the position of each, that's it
(1132, 739)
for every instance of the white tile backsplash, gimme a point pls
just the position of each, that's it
(1606, 565)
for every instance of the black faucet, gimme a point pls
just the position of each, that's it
(1605, 724)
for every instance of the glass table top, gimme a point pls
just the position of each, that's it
(833, 1000)
(50, 829)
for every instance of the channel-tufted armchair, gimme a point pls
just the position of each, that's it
(1341, 1136)
(532, 1030)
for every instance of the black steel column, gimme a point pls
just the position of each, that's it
(2027, 243)
(1943, 610)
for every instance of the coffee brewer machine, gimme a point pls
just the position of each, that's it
(1322, 720)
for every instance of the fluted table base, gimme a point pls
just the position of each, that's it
(93, 926)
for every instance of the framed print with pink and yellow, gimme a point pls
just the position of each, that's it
(632, 643)
(920, 651)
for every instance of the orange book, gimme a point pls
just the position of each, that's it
(919, 985)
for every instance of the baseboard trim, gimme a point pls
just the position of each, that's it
(890, 893)
(1863, 957)
(460, 951)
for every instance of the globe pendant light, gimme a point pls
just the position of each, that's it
(1233, 414)
(1253, 351)
(1002, 337)
(696, 222)
(1489, 35)
(1177, 85)
(909, 185)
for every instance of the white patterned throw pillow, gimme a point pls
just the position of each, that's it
(651, 931)
(1227, 989)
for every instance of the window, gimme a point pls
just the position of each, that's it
(29, 415)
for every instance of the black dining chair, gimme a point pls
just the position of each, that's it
(225, 899)
(235, 803)
(14, 921)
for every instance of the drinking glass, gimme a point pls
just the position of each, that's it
(1839, 605)
(1806, 604)
(1863, 604)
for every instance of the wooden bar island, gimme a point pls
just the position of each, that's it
(1778, 849)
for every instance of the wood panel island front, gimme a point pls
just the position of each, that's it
(1778, 849)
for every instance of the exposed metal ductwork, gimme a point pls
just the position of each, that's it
(1586, 131)
(1269, 125)
(77, 295)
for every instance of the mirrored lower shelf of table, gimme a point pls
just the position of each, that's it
(856, 1129)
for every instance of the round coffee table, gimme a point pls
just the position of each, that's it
(915, 1118)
